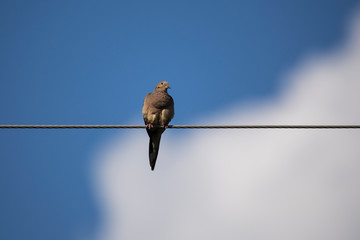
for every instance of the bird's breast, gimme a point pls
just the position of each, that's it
(162, 101)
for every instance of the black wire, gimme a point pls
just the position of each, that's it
(187, 126)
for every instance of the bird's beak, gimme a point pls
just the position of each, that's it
(168, 87)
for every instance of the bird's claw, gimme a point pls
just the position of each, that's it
(149, 126)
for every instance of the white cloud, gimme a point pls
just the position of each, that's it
(247, 184)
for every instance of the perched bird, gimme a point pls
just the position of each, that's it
(158, 110)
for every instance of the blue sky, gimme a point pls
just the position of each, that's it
(86, 62)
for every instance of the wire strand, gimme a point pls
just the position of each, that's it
(184, 126)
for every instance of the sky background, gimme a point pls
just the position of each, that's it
(86, 62)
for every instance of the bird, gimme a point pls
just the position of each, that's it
(157, 111)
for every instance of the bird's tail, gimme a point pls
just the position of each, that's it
(154, 145)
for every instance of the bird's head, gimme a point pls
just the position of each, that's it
(162, 86)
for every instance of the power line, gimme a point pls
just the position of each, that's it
(185, 126)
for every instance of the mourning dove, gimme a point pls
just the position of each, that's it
(158, 110)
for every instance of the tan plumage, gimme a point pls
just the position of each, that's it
(158, 110)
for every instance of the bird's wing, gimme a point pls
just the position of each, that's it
(168, 113)
(146, 106)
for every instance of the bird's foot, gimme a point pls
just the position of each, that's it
(149, 126)
(165, 126)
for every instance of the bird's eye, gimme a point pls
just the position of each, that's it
(162, 83)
